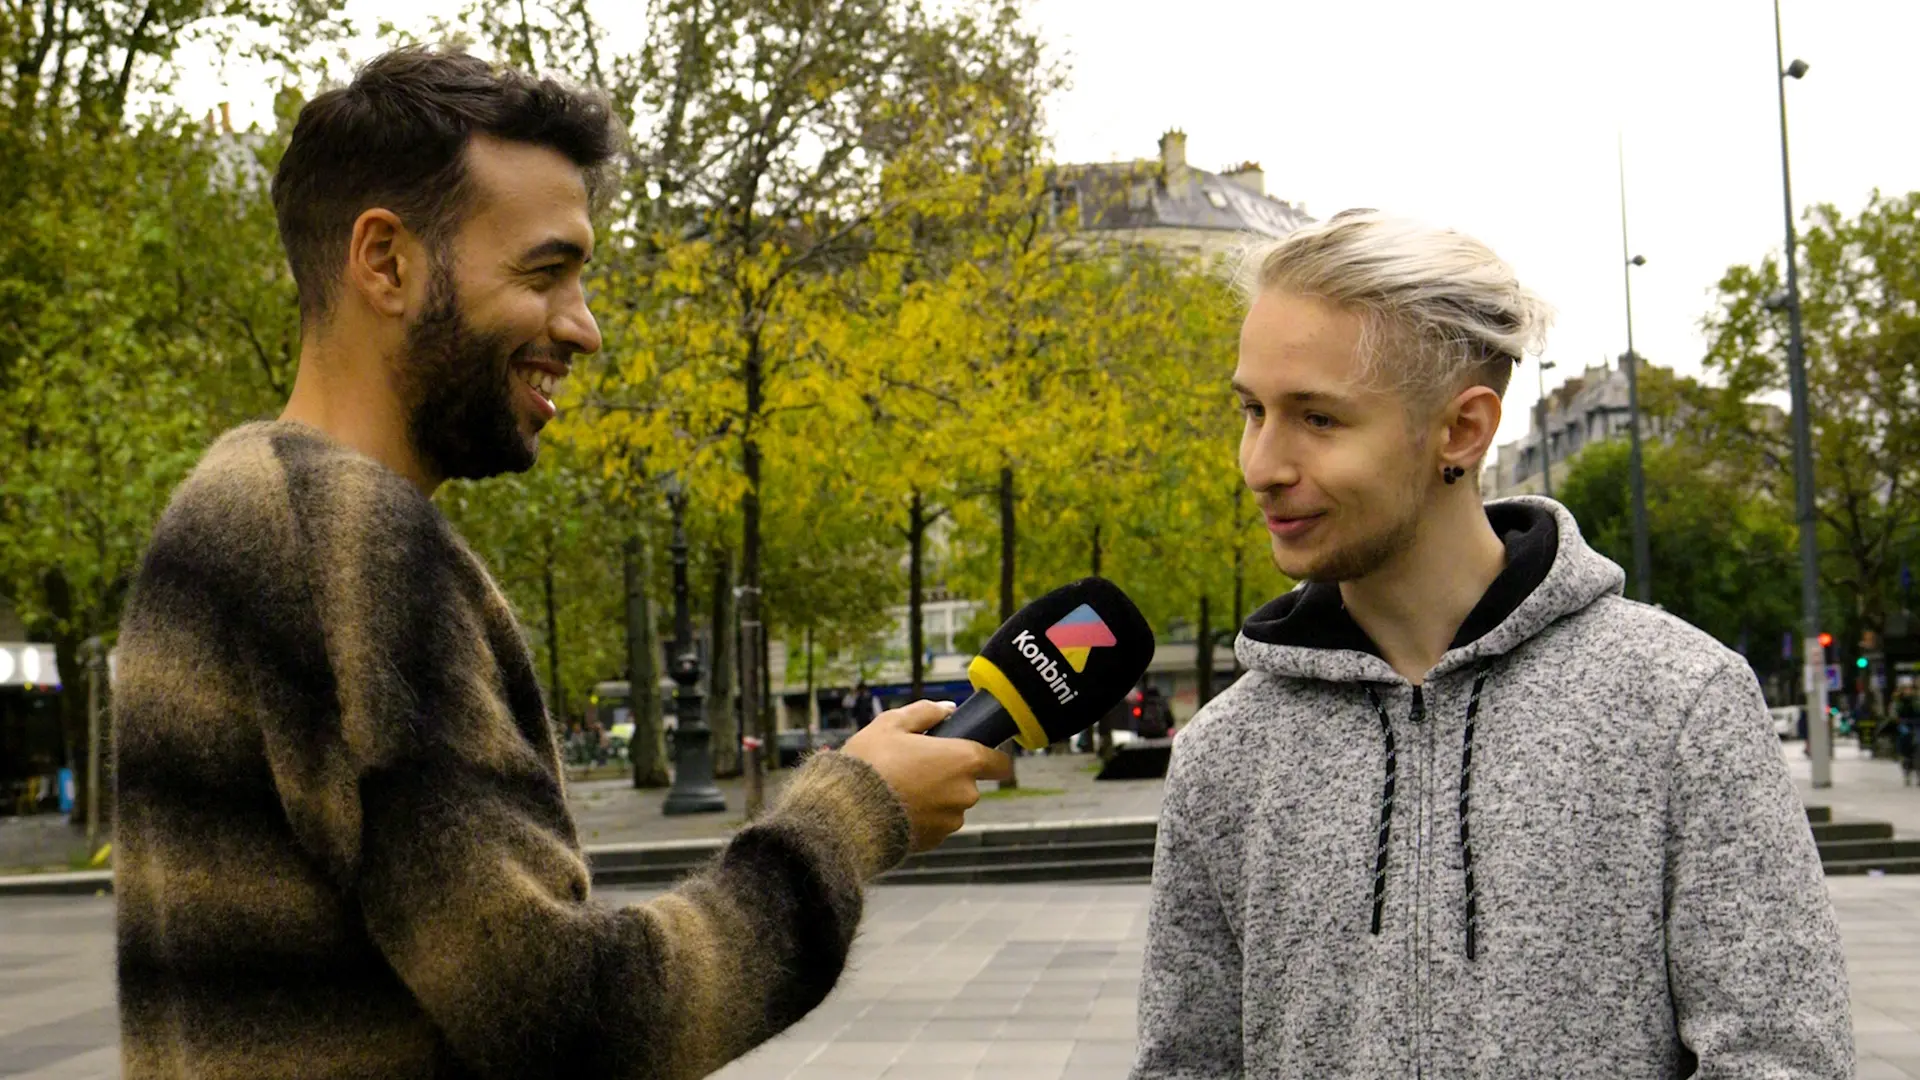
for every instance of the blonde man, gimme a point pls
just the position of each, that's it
(1470, 813)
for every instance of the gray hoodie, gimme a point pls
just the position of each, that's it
(1573, 851)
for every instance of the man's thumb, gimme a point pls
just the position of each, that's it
(923, 715)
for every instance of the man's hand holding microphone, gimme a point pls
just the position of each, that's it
(935, 779)
(1045, 676)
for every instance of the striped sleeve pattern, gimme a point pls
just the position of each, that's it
(343, 842)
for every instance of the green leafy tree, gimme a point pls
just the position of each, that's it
(143, 299)
(1860, 283)
(1722, 550)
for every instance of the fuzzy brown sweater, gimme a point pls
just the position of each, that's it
(343, 844)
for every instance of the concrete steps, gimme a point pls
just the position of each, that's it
(1104, 851)
(1840, 832)
(1094, 851)
(1863, 847)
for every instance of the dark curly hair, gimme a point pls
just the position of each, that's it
(396, 138)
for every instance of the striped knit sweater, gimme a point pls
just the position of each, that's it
(343, 842)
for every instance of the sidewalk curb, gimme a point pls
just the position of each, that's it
(70, 883)
(95, 882)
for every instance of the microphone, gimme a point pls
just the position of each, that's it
(1055, 668)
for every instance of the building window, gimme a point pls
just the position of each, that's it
(1065, 197)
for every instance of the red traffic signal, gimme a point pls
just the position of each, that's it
(1826, 641)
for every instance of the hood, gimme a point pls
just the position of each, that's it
(1551, 573)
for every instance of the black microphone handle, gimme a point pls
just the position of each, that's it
(980, 718)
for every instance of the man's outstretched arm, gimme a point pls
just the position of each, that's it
(427, 787)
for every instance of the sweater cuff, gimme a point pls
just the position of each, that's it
(844, 800)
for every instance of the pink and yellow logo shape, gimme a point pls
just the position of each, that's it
(1077, 635)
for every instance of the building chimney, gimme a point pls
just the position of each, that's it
(1249, 175)
(1173, 151)
(226, 118)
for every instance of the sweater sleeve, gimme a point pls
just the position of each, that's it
(1754, 958)
(1190, 1019)
(425, 783)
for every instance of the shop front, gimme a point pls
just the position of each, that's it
(32, 749)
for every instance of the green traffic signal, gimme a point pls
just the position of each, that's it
(1861, 662)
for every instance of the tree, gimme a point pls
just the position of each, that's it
(119, 362)
(143, 300)
(1722, 549)
(764, 128)
(1860, 286)
(555, 546)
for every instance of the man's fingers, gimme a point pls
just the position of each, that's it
(993, 765)
(921, 715)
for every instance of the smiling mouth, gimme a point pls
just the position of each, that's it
(539, 380)
(542, 384)
(1291, 526)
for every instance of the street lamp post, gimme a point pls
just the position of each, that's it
(1642, 556)
(1819, 739)
(693, 788)
(1546, 439)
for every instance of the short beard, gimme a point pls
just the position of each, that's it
(1363, 558)
(458, 387)
(1366, 556)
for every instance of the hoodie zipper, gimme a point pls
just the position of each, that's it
(1422, 973)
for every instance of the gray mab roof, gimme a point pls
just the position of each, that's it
(1138, 196)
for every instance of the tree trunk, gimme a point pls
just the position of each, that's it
(525, 60)
(117, 104)
(916, 593)
(648, 749)
(721, 713)
(752, 633)
(1006, 543)
(1203, 655)
(813, 693)
(1239, 601)
(1103, 731)
(72, 700)
(558, 714)
(769, 708)
(1006, 569)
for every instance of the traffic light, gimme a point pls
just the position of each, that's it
(1826, 641)
(1861, 663)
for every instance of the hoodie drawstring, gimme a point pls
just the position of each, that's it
(1386, 814)
(1466, 842)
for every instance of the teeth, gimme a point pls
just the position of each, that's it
(543, 383)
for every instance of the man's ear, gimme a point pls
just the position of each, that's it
(386, 263)
(1472, 420)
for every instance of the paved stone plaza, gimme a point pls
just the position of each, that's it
(1012, 982)
(1016, 982)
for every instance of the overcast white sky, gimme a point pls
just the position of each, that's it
(1498, 117)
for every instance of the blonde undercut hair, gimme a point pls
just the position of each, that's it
(1439, 311)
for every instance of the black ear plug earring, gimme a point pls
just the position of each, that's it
(1452, 473)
